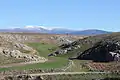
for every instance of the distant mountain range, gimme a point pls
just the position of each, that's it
(40, 29)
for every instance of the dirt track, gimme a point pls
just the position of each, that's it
(62, 73)
(20, 64)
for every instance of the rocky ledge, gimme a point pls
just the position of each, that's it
(103, 51)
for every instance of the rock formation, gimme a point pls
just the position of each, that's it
(103, 51)
(11, 46)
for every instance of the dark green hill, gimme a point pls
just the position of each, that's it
(103, 51)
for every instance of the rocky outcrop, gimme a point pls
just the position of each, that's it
(19, 55)
(22, 46)
(64, 49)
(16, 37)
(103, 51)
(11, 47)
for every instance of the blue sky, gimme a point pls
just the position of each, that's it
(75, 14)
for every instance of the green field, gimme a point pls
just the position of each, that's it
(59, 61)
(43, 50)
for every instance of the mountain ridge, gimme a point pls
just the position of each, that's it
(41, 29)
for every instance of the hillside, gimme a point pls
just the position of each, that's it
(100, 49)
(83, 44)
(14, 50)
(103, 51)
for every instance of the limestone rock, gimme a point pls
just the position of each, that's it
(103, 51)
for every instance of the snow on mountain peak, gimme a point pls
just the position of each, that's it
(38, 27)
(29, 27)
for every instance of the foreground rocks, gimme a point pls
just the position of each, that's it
(65, 77)
(23, 77)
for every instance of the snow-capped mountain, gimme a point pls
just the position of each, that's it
(52, 30)
(39, 29)
(55, 30)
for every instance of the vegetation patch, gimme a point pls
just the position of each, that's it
(43, 48)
